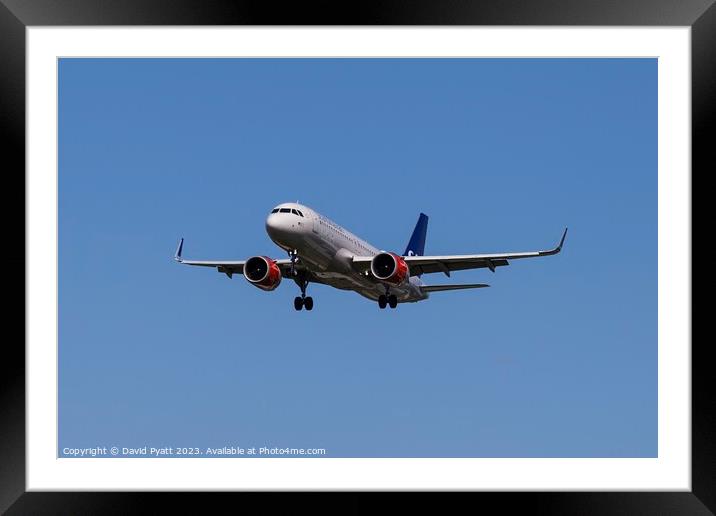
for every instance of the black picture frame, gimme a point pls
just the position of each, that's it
(16, 15)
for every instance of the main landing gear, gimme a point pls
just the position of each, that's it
(300, 302)
(303, 301)
(387, 299)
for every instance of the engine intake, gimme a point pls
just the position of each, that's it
(390, 268)
(262, 271)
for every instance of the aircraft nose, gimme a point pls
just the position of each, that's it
(285, 229)
(273, 224)
(278, 227)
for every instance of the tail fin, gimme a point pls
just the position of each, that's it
(416, 246)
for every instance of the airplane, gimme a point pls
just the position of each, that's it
(321, 251)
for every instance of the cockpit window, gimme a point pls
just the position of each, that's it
(287, 210)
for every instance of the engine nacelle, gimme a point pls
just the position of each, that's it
(390, 268)
(262, 272)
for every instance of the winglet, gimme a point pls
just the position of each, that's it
(561, 242)
(556, 249)
(177, 255)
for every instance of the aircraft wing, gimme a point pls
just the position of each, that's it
(445, 264)
(229, 267)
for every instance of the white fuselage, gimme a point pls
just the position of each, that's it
(327, 250)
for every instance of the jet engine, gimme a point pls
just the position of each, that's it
(262, 272)
(390, 268)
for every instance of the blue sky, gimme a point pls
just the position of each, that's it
(557, 359)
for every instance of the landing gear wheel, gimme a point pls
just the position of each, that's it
(382, 301)
(302, 301)
(392, 301)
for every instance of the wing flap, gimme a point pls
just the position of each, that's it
(441, 288)
(459, 264)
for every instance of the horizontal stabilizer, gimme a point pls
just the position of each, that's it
(439, 288)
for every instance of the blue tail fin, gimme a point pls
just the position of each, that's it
(416, 246)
